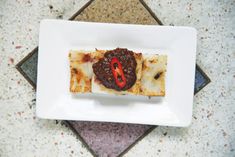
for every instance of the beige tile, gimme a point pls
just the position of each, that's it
(120, 11)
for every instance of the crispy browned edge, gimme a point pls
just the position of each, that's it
(87, 86)
(18, 67)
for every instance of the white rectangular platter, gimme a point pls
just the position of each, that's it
(54, 100)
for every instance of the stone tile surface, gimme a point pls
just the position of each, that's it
(109, 139)
(21, 133)
(212, 132)
(118, 11)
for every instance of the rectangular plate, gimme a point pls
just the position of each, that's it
(54, 101)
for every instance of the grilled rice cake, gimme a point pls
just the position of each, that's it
(80, 71)
(153, 75)
(98, 87)
(150, 74)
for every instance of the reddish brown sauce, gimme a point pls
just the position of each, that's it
(86, 58)
(103, 71)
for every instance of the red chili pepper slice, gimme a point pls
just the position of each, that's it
(117, 71)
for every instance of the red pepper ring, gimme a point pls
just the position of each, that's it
(117, 71)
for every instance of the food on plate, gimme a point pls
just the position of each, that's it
(153, 75)
(80, 71)
(118, 71)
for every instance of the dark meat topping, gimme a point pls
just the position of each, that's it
(103, 70)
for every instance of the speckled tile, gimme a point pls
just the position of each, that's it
(21, 133)
(116, 11)
(212, 130)
(30, 67)
(115, 137)
(109, 139)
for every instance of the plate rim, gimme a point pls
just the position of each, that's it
(49, 20)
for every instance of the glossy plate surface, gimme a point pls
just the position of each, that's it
(54, 101)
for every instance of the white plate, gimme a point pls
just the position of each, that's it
(54, 101)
